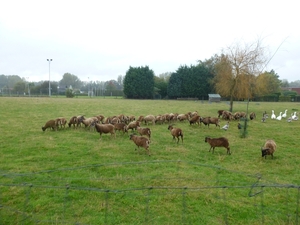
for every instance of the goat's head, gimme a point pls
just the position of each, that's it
(264, 152)
(170, 127)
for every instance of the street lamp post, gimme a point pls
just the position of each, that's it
(28, 88)
(49, 60)
(88, 87)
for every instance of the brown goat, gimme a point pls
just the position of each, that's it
(61, 122)
(100, 118)
(50, 124)
(183, 117)
(140, 141)
(133, 125)
(269, 148)
(195, 119)
(105, 129)
(226, 115)
(160, 119)
(214, 120)
(121, 127)
(205, 120)
(149, 118)
(115, 120)
(75, 120)
(90, 122)
(220, 113)
(176, 132)
(252, 115)
(218, 142)
(140, 119)
(144, 131)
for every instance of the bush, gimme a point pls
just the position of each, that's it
(70, 93)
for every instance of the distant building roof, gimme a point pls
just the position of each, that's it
(214, 96)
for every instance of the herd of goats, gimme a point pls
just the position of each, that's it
(122, 123)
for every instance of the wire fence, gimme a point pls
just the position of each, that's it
(128, 193)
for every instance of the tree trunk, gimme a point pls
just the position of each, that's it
(231, 104)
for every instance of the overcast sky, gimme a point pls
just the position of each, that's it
(99, 40)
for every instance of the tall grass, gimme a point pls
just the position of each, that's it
(46, 166)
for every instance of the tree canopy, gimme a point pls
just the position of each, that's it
(139, 83)
(70, 80)
(236, 70)
(192, 81)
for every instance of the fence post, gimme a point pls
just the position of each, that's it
(65, 202)
(297, 211)
(26, 203)
(262, 205)
(184, 205)
(147, 205)
(224, 199)
(106, 206)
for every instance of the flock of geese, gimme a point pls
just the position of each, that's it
(273, 117)
(284, 115)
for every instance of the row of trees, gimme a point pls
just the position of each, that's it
(237, 73)
(13, 84)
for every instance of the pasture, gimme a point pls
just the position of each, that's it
(70, 176)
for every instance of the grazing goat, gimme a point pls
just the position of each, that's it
(195, 119)
(220, 113)
(218, 142)
(75, 120)
(183, 117)
(133, 125)
(100, 118)
(176, 133)
(105, 129)
(50, 124)
(140, 141)
(237, 115)
(170, 117)
(79, 120)
(88, 121)
(149, 118)
(268, 148)
(61, 122)
(226, 115)
(115, 120)
(140, 119)
(205, 120)
(160, 119)
(121, 127)
(214, 120)
(144, 131)
(252, 115)
(131, 118)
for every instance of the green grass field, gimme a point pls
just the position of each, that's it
(70, 176)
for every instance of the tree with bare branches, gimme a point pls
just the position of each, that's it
(236, 70)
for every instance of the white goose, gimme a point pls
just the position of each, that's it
(279, 117)
(284, 114)
(226, 126)
(295, 117)
(273, 117)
